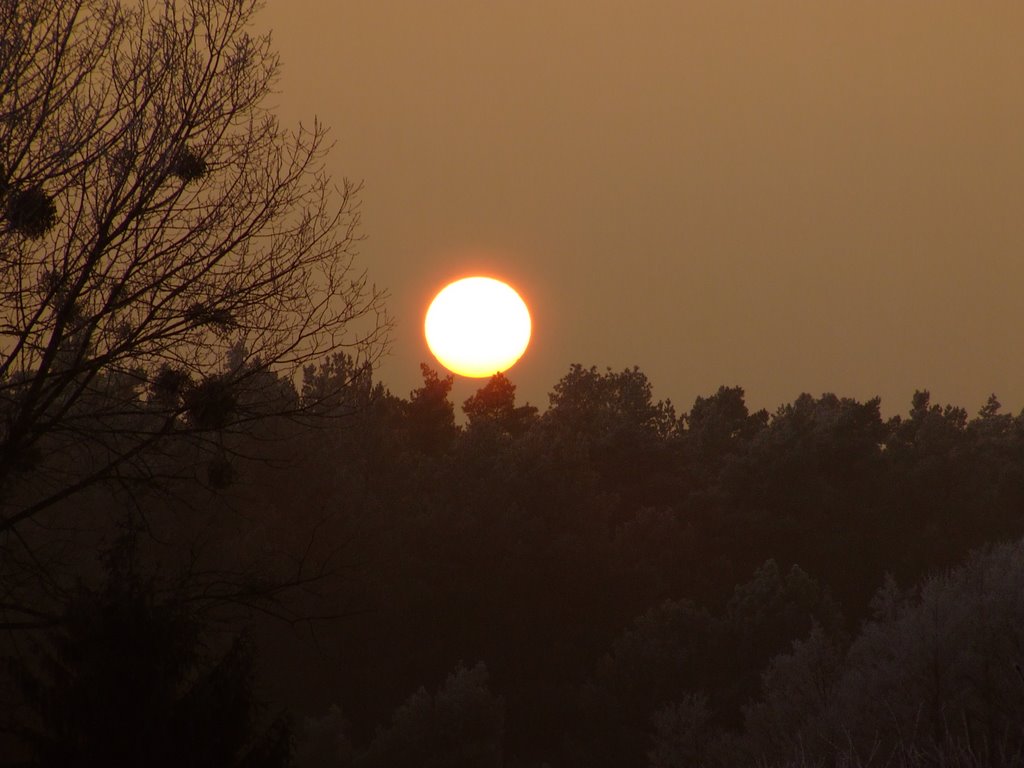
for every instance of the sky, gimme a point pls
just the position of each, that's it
(790, 196)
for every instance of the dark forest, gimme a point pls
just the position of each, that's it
(606, 582)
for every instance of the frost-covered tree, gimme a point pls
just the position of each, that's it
(932, 678)
(459, 726)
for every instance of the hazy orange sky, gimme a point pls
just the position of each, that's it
(789, 196)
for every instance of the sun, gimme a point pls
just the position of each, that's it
(477, 327)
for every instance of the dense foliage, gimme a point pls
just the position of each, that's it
(620, 568)
(610, 583)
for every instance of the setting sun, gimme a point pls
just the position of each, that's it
(477, 327)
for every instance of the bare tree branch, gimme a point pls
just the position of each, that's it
(171, 258)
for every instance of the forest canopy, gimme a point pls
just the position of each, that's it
(647, 587)
(610, 582)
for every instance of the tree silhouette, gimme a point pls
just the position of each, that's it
(598, 404)
(170, 259)
(430, 414)
(129, 679)
(165, 245)
(495, 404)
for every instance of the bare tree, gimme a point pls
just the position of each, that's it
(170, 256)
(171, 259)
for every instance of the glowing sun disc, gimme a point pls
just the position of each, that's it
(477, 326)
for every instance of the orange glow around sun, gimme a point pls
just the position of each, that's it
(477, 326)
